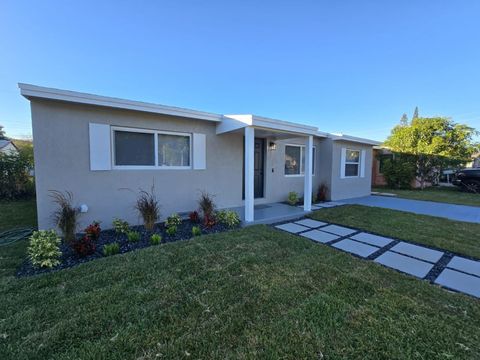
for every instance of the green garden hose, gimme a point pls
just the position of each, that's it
(11, 236)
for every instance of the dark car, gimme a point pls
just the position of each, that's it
(468, 180)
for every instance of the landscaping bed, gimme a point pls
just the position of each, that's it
(70, 257)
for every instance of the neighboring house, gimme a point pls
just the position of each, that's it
(7, 147)
(97, 147)
(379, 156)
(475, 163)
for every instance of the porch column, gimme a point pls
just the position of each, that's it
(307, 191)
(249, 172)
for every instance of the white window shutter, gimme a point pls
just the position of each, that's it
(199, 152)
(100, 147)
(362, 164)
(342, 163)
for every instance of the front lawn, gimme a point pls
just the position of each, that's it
(456, 236)
(20, 213)
(451, 195)
(250, 293)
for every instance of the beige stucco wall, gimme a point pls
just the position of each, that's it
(350, 187)
(62, 163)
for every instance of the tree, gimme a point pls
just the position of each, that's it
(2, 133)
(404, 120)
(434, 143)
(415, 113)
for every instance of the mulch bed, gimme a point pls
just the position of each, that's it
(70, 258)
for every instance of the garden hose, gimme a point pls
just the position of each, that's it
(14, 235)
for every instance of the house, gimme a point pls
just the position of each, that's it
(7, 147)
(475, 162)
(105, 149)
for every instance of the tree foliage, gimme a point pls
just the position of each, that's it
(399, 171)
(434, 143)
(3, 136)
(415, 113)
(15, 179)
(404, 120)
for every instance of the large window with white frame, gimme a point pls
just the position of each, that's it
(295, 160)
(139, 148)
(352, 163)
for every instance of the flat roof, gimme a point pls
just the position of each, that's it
(225, 122)
(33, 91)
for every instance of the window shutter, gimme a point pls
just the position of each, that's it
(362, 164)
(199, 152)
(342, 163)
(100, 147)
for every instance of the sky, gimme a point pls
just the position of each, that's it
(350, 67)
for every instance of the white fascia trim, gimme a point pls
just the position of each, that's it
(233, 122)
(342, 137)
(33, 91)
(280, 125)
(236, 122)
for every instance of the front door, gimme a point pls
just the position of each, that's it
(258, 169)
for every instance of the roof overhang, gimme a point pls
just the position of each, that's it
(39, 92)
(342, 137)
(231, 123)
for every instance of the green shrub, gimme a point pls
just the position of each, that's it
(133, 236)
(148, 208)
(66, 214)
(292, 198)
(155, 239)
(172, 230)
(173, 220)
(196, 231)
(111, 249)
(229, 218)
(399, 171)
(44, 248)
(15, 179)
(120, 226)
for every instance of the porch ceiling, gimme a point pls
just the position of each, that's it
(269, 127)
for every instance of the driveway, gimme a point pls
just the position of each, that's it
(448, 211)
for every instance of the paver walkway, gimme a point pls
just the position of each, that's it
(449, 211)
(443, 268)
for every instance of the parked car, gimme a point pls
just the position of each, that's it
(468, 180)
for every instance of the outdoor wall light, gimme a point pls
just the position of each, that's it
(272, 146)
(83, 208)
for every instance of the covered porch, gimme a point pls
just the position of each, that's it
(267, 209)
(271, 213)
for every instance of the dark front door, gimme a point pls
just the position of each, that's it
(258, 168)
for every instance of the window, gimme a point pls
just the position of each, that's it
(352, 162)
(134, 148)
(295, 160)
(153, 149)
(173, 150)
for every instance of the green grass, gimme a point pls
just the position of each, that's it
(451, 195)
(456, 236)
(21, 213)
(251, 293)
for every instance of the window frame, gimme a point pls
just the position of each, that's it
(352, 163)
(302, 170)
(155, 149)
